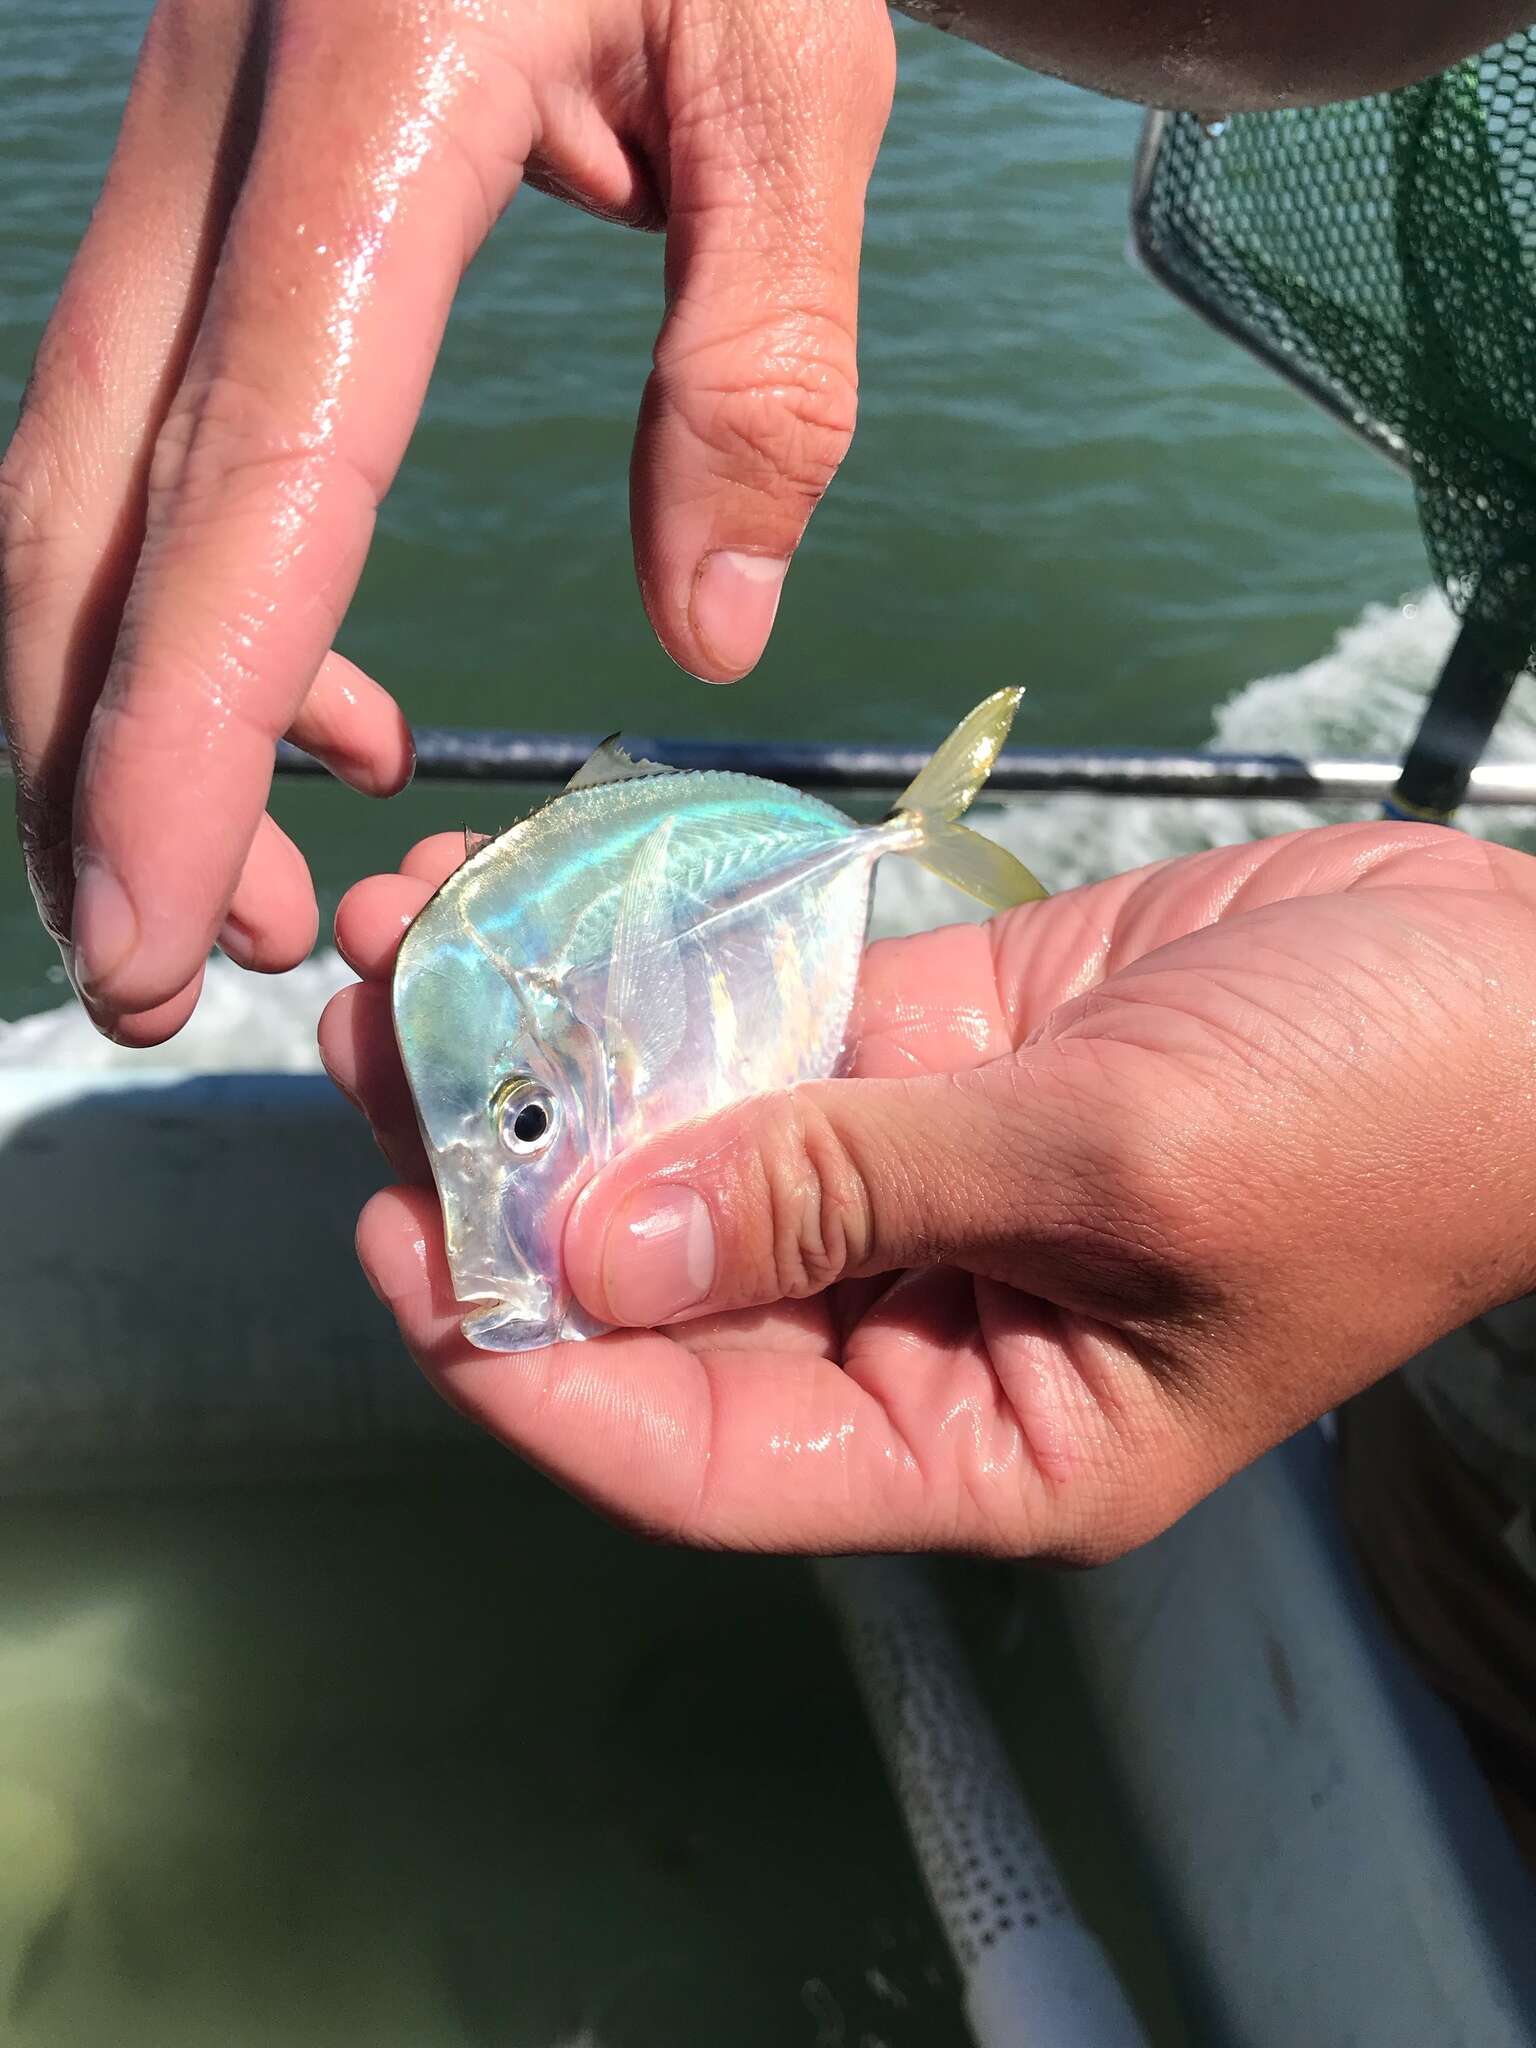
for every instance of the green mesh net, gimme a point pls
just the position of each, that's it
(1383, 256)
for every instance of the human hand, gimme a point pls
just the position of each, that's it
(1127, 1187)
(238, 357)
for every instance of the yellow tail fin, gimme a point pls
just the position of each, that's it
(946, 788)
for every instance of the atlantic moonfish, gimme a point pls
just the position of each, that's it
(650, 946)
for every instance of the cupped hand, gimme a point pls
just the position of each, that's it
(1126, 1187)
(239, 354)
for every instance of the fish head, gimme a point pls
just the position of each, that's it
(511, 1095)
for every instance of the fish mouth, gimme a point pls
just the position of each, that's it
(504, 1304)
(510, 1326)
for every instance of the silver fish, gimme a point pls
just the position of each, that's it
(652, 945)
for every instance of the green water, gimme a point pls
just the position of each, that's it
(1059, 476)
(335, 1768)
(325, 1766)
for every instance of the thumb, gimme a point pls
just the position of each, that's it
(775, 114)
(780, 1196)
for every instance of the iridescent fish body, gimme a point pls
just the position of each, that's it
(651, 946)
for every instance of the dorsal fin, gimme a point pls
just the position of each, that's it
(473, 841)
(610, 763)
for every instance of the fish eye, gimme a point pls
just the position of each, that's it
(525, 1114)
(530, 1123)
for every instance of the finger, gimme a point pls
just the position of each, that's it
(750, 408)
(631, 1442)
(1045, 954)
(435, 859)
(929, 1005)
(310, 366)
(271, 926)
(72, 483)
(357, 1050)
(782, 1195)
(372, 919)
(272, 922)
(738, 1445)
(356, 729)
(152, 1027)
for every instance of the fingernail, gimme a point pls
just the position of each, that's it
(659, 1256)
(339, 1085)
(236, 942)
(396, 1264)
(735, 599)
(104, 930)
(375, 1283)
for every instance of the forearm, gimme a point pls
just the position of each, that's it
(1236, 54)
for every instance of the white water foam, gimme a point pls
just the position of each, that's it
(1363, 697)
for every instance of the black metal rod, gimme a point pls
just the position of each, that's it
(1465, 707)
(455, 755)
(445, 754)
